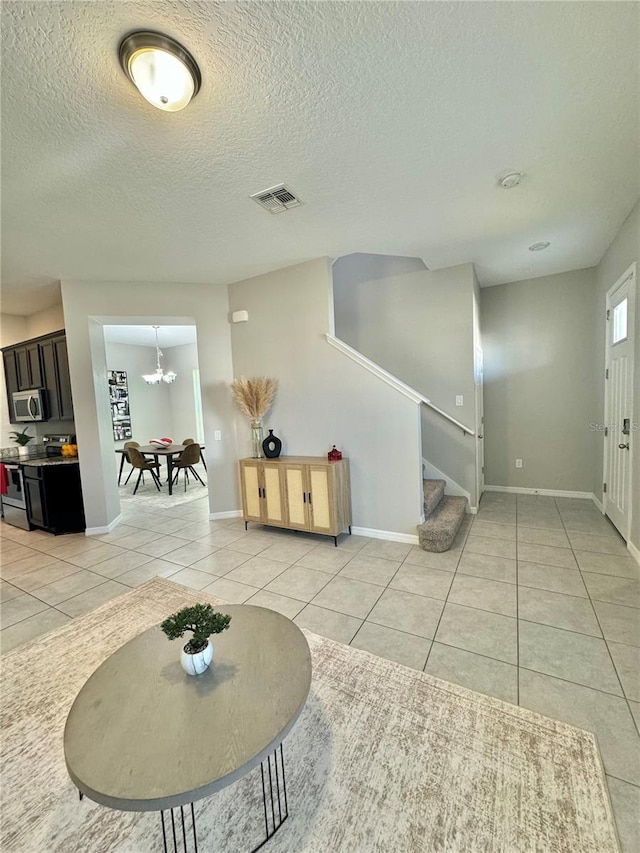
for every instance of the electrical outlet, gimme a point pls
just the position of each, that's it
(217, 435)
(518, 463)
(459, 400)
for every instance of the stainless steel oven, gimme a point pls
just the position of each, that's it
(29, 405)
(14, 503)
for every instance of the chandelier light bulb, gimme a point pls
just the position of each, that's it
(159, 375)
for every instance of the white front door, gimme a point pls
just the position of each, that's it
(620, 431)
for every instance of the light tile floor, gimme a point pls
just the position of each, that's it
(538, 602)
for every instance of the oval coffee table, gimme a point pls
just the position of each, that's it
(142, 735)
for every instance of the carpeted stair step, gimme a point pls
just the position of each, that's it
(433, 494)
(439, 530)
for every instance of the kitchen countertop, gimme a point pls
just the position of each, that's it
(37, 457)
(51, 460)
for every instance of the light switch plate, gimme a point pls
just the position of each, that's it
(459, 400)
(518, 463)
(217, 435)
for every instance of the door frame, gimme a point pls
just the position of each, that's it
(629, 273)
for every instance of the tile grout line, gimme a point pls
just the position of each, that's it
(455, 572)
(606, 643)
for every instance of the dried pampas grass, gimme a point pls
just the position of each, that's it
(255, 395)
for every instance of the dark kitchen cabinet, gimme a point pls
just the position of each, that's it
(41, 363)
(54, 497)
(11, 377)
(55, 369)
(29, 372)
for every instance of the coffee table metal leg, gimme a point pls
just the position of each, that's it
(274, 794)
(274, 803)
(169, 833)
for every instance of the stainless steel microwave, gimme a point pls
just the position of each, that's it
(29, 405)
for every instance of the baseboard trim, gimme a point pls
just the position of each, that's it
(232, 513)
(391, 535)
(550, 493)
(635, 552)
(100, 531)
(598, 503)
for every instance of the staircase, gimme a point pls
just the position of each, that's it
(443, 516)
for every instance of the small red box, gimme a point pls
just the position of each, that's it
(334, 455)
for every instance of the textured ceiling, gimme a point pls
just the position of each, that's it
(390, 120)
(145, 336)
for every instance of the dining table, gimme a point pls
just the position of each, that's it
(170, 452)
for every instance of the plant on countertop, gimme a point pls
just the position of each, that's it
(201, 619)
(254, 395)
(22, 438)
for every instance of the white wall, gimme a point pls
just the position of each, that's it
(623, 251)
(90, 305)
(324, 398)
(183, 360)
(539, 395)
(149, 405)
(417, 325)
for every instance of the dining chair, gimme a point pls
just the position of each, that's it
(126, 446)
(142, 464)
(189, 457)
(186, 441)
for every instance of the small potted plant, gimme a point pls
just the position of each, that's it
(202, 621)
(22, 439)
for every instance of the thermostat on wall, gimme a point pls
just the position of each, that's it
(239, 316)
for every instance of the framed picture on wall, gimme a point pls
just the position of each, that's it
(119, 398)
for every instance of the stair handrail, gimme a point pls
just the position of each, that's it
(393, 381)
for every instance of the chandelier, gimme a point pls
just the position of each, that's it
(159, 375)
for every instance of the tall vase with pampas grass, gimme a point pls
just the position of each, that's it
(254, 396)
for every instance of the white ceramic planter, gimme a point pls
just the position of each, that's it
(23, 450)
(198, 663)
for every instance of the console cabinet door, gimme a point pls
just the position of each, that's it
(273, 497)
(296, 497)
(251, 490)
(320, 499)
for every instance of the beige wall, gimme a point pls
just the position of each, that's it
(623, 251)
(539, 395)
(88, 306)
(417, 325)
(42, 322)
(324, 398)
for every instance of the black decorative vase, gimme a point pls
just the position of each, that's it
(271, 446)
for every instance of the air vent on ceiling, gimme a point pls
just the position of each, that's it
(277, 199)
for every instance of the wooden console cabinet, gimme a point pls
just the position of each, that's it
(298, 493)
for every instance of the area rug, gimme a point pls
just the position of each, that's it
(383, 758)
(149, 499)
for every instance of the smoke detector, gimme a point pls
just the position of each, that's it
(277, 199)
(510, 180)
(539, 247)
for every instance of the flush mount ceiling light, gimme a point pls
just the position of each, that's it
(539, 247)
(161, 69)
(510, 180)
(159, 375)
